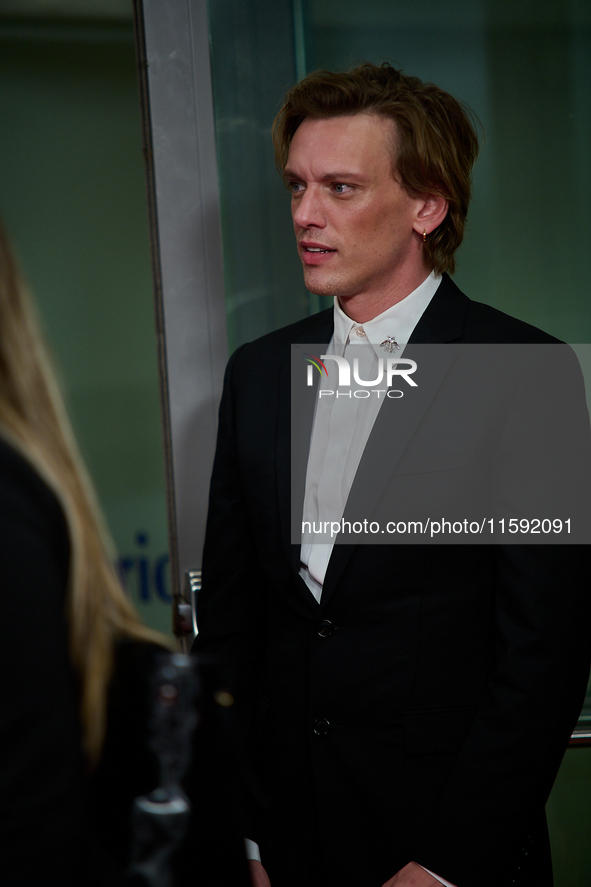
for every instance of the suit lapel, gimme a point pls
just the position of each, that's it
(444, 317)
(396, 424)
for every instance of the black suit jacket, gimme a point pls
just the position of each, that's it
(422, 709)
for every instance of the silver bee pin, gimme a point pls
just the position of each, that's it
(390, 344)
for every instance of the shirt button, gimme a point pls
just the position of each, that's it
(360, 332)
(325, 629)
(321, 727)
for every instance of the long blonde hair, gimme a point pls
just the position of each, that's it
(33, 419)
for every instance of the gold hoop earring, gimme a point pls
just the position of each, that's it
(424, 236)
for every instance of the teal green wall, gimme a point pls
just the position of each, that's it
(73, 197)
(569, 819)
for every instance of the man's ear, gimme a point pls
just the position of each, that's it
(430, 214)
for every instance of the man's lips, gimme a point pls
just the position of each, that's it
(314, 253)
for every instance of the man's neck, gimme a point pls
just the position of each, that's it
(362, 307)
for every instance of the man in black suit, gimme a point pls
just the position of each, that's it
(404, 707)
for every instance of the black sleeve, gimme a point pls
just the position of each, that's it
(231, 605)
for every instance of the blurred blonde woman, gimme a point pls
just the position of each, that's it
(63, 610)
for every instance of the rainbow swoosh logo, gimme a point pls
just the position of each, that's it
(315, 361)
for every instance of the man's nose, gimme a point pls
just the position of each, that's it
(308, 211)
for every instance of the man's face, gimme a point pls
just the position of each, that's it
(353, 222)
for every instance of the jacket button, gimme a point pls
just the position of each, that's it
(325, 629)
(321, 727)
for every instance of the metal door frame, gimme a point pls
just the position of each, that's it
(172, 39)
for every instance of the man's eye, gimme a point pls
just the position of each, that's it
(295, 187)
(340, 187)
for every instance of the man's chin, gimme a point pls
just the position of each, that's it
(314, 284)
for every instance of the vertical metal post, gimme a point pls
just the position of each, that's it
(179, 137)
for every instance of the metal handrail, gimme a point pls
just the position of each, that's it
(581, 737)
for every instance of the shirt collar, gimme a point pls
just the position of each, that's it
(397, 321)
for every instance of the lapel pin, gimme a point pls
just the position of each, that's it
(390, 344)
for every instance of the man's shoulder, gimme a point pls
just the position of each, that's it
(317, 328)
(474, 322)
(485, 324)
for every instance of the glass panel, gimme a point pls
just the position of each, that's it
(524, 69)
(253, 63)
(73, 199)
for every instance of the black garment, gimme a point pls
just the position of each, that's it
(420, 712)
(42, 772)
(56, 822)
